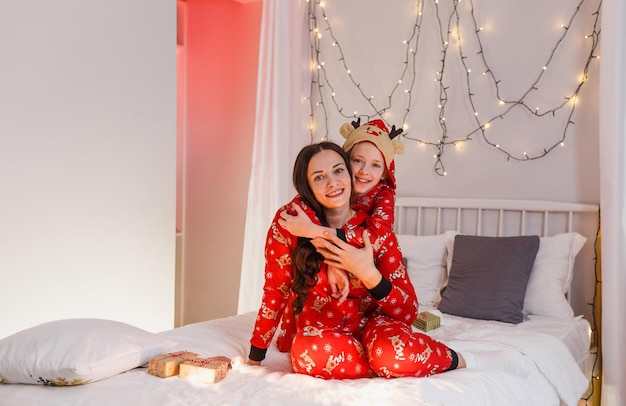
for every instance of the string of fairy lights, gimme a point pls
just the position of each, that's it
(596, 337)
(323, 94)
(320, 78)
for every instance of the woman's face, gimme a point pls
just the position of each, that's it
(368, 166)
(329, 179)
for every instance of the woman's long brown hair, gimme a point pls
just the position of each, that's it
(305, 259)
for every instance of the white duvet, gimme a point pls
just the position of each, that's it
(527, 364)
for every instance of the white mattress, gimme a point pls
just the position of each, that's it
(575, 334)
(540, 370)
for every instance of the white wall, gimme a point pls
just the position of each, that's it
(517, 41)
(87, 161)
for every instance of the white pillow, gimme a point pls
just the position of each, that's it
(76, 351)
(551, 276)
(426, 265)
(450, 249)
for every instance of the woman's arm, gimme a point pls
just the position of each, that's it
(387, 280)
(358, 261)
(278, 279)
(302, 224)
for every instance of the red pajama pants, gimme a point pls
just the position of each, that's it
(385, 347)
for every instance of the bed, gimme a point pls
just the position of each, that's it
(542, 359)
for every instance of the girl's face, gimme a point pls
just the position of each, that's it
(329, 179)
(368, 166)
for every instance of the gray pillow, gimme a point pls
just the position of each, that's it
(488, 277)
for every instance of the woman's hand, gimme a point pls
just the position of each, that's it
(255, 363)
(359, 262)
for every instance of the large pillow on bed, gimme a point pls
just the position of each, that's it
(76, 351)
(551, 276)
(426, 265)
(488, 277)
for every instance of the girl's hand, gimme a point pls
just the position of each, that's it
(299, 224)
(339, 283)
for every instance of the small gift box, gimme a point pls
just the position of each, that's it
(166, 365)
(204, 370)
(426, 321)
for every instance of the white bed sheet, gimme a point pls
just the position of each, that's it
(575, 334)
(527, 377)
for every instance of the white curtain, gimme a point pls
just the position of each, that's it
(280, 132)
(613, 200)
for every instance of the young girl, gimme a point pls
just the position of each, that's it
(370, 333)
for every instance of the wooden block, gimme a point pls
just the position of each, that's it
(166, 365)
(204, 370)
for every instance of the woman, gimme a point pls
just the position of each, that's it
(369, 334)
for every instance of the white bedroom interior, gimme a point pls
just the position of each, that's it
(89, 168)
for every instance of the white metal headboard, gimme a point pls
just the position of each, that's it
(497, 217)
(460, 212)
